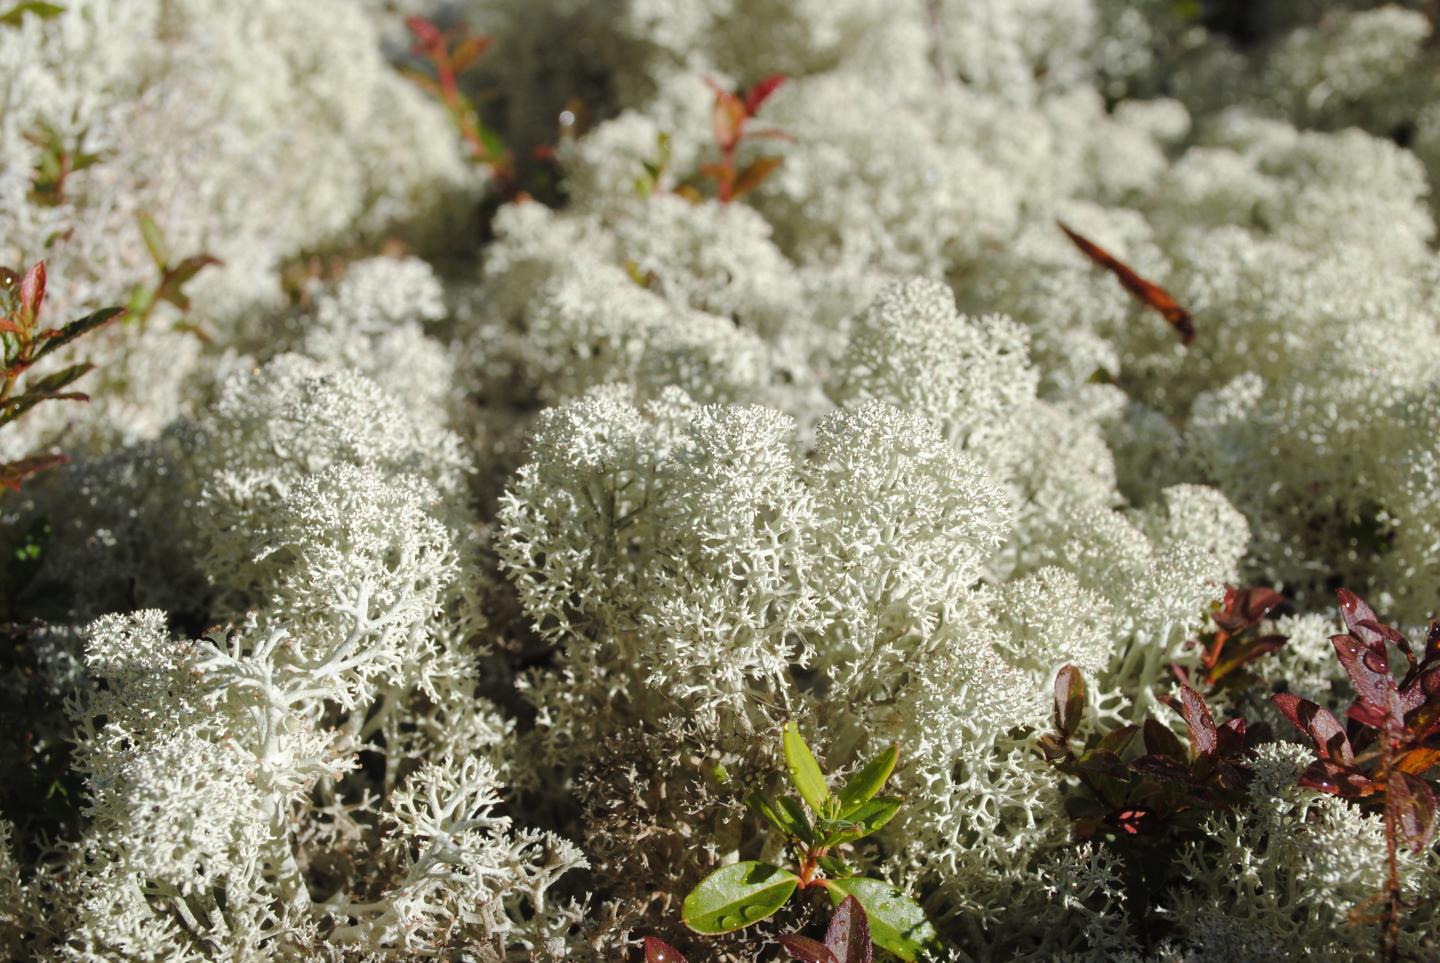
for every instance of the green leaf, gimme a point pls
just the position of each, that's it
(57, 338)
(45, 11)
(737, 895)
(58, 380)
(797, 820)
(154, 240)
(790, 819)
(897, 923)
(805, 771)
(864, 821)
(835, 867)
(868, 781)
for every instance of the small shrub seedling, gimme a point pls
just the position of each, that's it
(171, 275)
(729, 120)
(450, 54)
(1226, 652)
(739, 894)
(1380, 758)
(1143, 805)
(1168, 786)
(24, 343)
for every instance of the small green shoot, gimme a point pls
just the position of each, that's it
(739, 894)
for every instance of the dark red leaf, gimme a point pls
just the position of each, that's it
(658, 951)
(1163, 767)
(804, 948)
(1230, 738)
(1331, 777)
(761, 92)
(1368, 671)
(1117, 740)
(1320, 724)
(1148, 293)
(1160, 741)
(1198, 722)
(14, 472)
(848, 935)
(1354, 610)
(1069, 700)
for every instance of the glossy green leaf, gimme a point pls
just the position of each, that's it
(863, 821)
(897, 923)
(789, 819)
(737, 895)
(863, 786)
(835, 867)
(798, 820)
(804, 771)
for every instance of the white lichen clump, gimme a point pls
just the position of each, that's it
(433, 578)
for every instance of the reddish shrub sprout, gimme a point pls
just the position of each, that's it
(24, 341)
(450, 53)
(1380, 757)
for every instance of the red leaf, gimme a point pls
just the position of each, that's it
(32, 293)
(1198, 721)
(12, 473)
(658, 951)
(1369, 674)
(804, 948)
(1244, 608)
(848, 935)
(1231, 738)
(1354, 610)
(761, 92)
(1319, 724)
(727, 119)
(428, 37)
(1163, 767)
(1148, 293)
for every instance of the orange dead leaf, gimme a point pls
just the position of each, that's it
(1146, 292)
